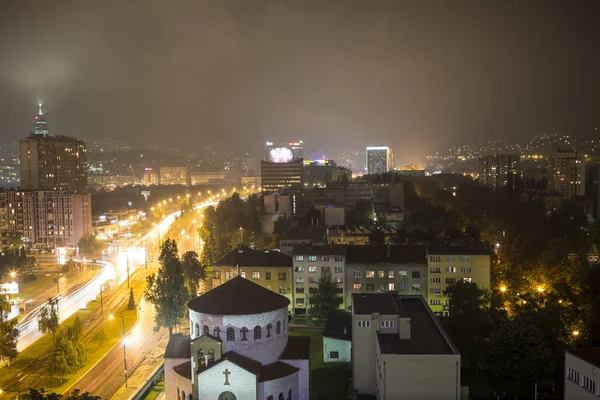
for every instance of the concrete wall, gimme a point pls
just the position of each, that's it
(303, 377)
(343, 347)
(173, 381)
(276, 387)
(575, 390)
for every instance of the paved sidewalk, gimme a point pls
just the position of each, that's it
(144, 371)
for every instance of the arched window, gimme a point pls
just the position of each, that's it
(178, 393)
(244, 332)
(197, 329)
(230, 334)
(278, 327)
(270, 398)
(201, 361)
(190, 397)
(281, 396)
(290, 394)
(257, 332)
(211, 355)
(205, 330)
(183, 396)
(217, 332)
(269, 329)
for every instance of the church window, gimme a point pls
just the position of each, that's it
(217, 332)
(281, 396)
(178, 393)
(211, 355)
(197, 329)
(278, 327)
(201, 360)
(270, 398)
(205, 330)
(190, 397)
(183, 396)
(230, 334)
(244, 332)
(257, 332)
(290, 394)
(269, 327)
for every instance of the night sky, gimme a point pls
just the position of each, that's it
(418, 75)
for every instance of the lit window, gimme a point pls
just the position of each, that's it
(256, 275)
(391, 286)
(370, 274)
(381, 274)
(356, 286)
(312, 269)
(312, 258)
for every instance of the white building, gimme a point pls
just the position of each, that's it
(337, 337)
(238, 348)
(400, 351)
(379, 159)
(582, 374)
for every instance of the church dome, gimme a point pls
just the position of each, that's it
(238, 296)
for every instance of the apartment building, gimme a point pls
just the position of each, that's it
(373, 269)
(309, 263)
(446, 265)
(269, 269)
(400, 351)
(582, 381)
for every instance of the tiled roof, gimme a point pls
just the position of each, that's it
(590, 354)
(369, 303)
(275, 370)
(264, 373)
(238, 296)
(338, 325)
(386, 254)
(184, 370)
(178, 347)
(247, 257)
(297, 348)
(330, 250)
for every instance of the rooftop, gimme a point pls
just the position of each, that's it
(590, 354)
(184, 370)
(330, 250)
(297, 348)
(444, 249)
(367, 304)
(178, 347)
(312, 233)
(386, 254)
(238, 296)
(339, 325)
(264, 373)
(247, 257)
(427, 336)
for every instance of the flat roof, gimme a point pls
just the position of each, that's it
(369, 303)
(590, 355)
(247, 257)
(406, 254)
(465, 250)
(334, 249)
(178, 347)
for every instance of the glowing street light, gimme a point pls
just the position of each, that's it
(575, 333)
(503, 289)
(540, 289)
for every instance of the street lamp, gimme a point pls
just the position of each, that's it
(575, 333)
(126, 342)
(503, 289)
(540, 289)
(15, 385)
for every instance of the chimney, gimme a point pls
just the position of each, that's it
(404, 328)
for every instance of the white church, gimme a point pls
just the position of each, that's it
(238, 348)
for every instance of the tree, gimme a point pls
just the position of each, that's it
(325, 298)
(193, 271)
(363, 214)
(48, 320)
(101, 336)
(34, 394)
(377, 237)
(9, 334)
(166, 289)
(58, 363)
(131, 303)
(90, 245)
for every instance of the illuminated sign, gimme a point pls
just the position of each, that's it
(9, 288)
(281, 155)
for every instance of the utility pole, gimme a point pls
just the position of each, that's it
(101, 300)
(145, 251)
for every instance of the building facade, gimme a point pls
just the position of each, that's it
(400, 351)
(500, 170)
(174, 176)
(379, 160)
(150, 177)
(566, 173)
(277, 176)
(310, 262)
(269, 269)
(238, 348)
(582, 380)
(446, 265)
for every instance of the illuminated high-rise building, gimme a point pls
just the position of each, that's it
(500, 170)
(566, 173)
(52, 162)
(379, 159)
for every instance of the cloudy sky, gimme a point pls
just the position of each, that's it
(418, 75)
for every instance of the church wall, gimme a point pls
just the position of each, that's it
(303, 392)
(277, 386)
(265, 350)
(173, 381)
(211, 382)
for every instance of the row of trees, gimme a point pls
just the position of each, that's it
(176, 281)
(9, 334)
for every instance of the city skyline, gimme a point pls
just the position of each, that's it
(414, 76)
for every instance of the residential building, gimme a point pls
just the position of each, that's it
(269, 269)
(337, 337)
(319, 172)
(11, 215)
(446, 265)
(251, 181)
(238, 348)
(566, 173)
(315, 235)
(310, 262)
(207, 178)
(357, 235)
(52, 162)
(379, 160)
(380, 269)
(150, 177)
(582, 381)
(499, 170)
(174, 176)
(400, 350)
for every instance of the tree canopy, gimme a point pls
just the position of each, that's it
(325, 298)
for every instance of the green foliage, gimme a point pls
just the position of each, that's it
(9, 334)
(166, 289)
(377, 237)
(363, 214)
(48, 320)
(193, 271)
(325, 298)
(69, 266)
(68, 354)
(131, 302)
(34, 394)
(90, 245)
(101, 336)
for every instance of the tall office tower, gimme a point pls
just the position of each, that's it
(500, 170)
(282, 171)
(566, 173)
(379, 159)
(52, 162)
